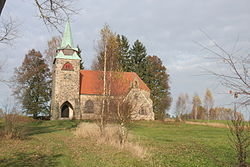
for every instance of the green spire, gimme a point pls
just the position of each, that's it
(67, 37)
(67, 50)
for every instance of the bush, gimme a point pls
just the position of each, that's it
(13, 126)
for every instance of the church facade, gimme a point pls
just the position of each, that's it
(78, 94)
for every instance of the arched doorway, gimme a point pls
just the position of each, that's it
(66, 110)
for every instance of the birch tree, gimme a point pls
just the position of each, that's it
(181, 106)
(196, 103)
(208, 102)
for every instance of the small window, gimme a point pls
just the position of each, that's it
(89, 107)
(68, 67)
(142, 111)
(136, 84)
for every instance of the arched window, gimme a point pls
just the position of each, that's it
(68, 67)
(89, 107)
(136, 85)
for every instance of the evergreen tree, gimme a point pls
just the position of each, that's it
(33, 84)
(124, 56)
(138, 55)
(157, 79)
(79, 54)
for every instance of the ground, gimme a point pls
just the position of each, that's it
(52, 143)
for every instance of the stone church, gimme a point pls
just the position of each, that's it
(76, 93)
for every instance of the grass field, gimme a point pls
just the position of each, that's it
(52, 143)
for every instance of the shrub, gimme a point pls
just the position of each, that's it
(13, 126)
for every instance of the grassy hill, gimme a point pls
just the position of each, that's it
(52, 143)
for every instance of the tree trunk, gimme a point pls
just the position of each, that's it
(104, 92)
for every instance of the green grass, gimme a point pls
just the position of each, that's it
(52, 143)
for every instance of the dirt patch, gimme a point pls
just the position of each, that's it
(217, 125)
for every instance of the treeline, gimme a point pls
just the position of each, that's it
(196, 109)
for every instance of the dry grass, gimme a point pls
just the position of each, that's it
(217, 125)
(111, 136)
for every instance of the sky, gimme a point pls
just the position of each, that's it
(168, 29)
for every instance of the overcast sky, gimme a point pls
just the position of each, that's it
(168, 29)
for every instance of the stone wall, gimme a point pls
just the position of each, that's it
(142, 104)
(97, 101)
(139, 99)
(65, 87)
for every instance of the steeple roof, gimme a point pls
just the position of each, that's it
(67, 37)
(67, 50)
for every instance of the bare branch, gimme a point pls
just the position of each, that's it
(236, 68)
(55, 12)
(8, 31)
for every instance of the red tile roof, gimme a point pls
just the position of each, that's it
(91, 82)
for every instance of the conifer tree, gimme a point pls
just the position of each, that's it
(138, 55)
(124, 56)
(79, 54)
(32, 84)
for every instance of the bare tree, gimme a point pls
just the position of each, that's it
(50, 52)
(196, 103)
(54, 13)
(181, 106)
(239, 137)
(8, 31)
(208, 102)
(236, 76)
(106, 62)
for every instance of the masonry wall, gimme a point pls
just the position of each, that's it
(142, 104)
(65, 87)
(97, 100)
(139, 99)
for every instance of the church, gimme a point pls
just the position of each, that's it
(78, 94)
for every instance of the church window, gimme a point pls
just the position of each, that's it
(136, 84)
(89, 106)
(142, 111)
(68, 67)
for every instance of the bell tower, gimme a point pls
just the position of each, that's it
(65, 102)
